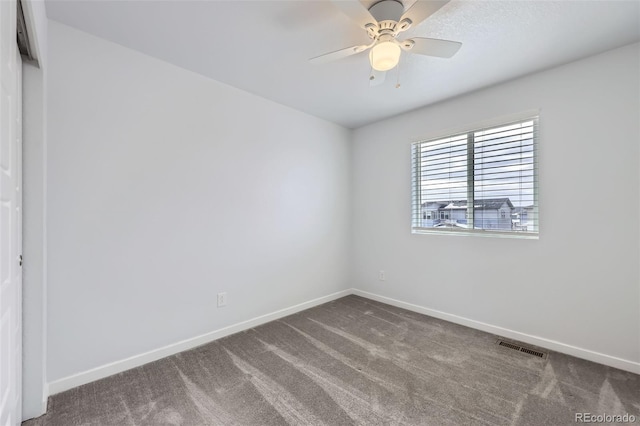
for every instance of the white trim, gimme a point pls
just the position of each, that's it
(116, 367)
(522, 235)
(45, 398)
(600, 358)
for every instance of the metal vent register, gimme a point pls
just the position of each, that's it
(524, 349)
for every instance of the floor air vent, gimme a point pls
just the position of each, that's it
(522, 349)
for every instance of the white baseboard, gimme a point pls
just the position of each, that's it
(116, 367)
(600, 358)
(30, 412)
(106, 370)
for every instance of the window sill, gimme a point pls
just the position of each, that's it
(477, 233)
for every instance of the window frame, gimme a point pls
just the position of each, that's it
(532, 115)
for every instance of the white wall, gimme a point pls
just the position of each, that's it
(579, 283)
(166, 188)
(34, 185)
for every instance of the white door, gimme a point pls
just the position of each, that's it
(10, 218)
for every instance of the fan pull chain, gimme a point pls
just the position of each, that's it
(398, 74)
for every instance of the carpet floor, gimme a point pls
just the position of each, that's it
(352, 361)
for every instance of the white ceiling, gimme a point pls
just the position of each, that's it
(263, 46)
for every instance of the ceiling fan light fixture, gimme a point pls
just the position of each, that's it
(384, 56)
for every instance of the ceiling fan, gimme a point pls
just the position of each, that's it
(383, 22)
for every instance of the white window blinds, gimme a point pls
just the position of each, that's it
(479, 181)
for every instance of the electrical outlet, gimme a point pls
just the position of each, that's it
(222, 299)
(382, 276)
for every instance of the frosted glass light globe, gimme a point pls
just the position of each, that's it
(384, 56)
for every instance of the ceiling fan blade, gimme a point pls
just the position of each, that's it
(338, 54)
(422, 9)
(431, 47)
(376, 78)
(356, 11)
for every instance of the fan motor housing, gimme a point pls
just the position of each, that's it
(387, 10)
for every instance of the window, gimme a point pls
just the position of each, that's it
(490, 174)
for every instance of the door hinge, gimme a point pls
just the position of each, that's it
(20, 260)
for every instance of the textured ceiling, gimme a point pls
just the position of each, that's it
(263, 46)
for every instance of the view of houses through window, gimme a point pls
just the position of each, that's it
(489, 213)
(496, 168)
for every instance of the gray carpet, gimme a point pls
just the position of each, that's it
(352, 362)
